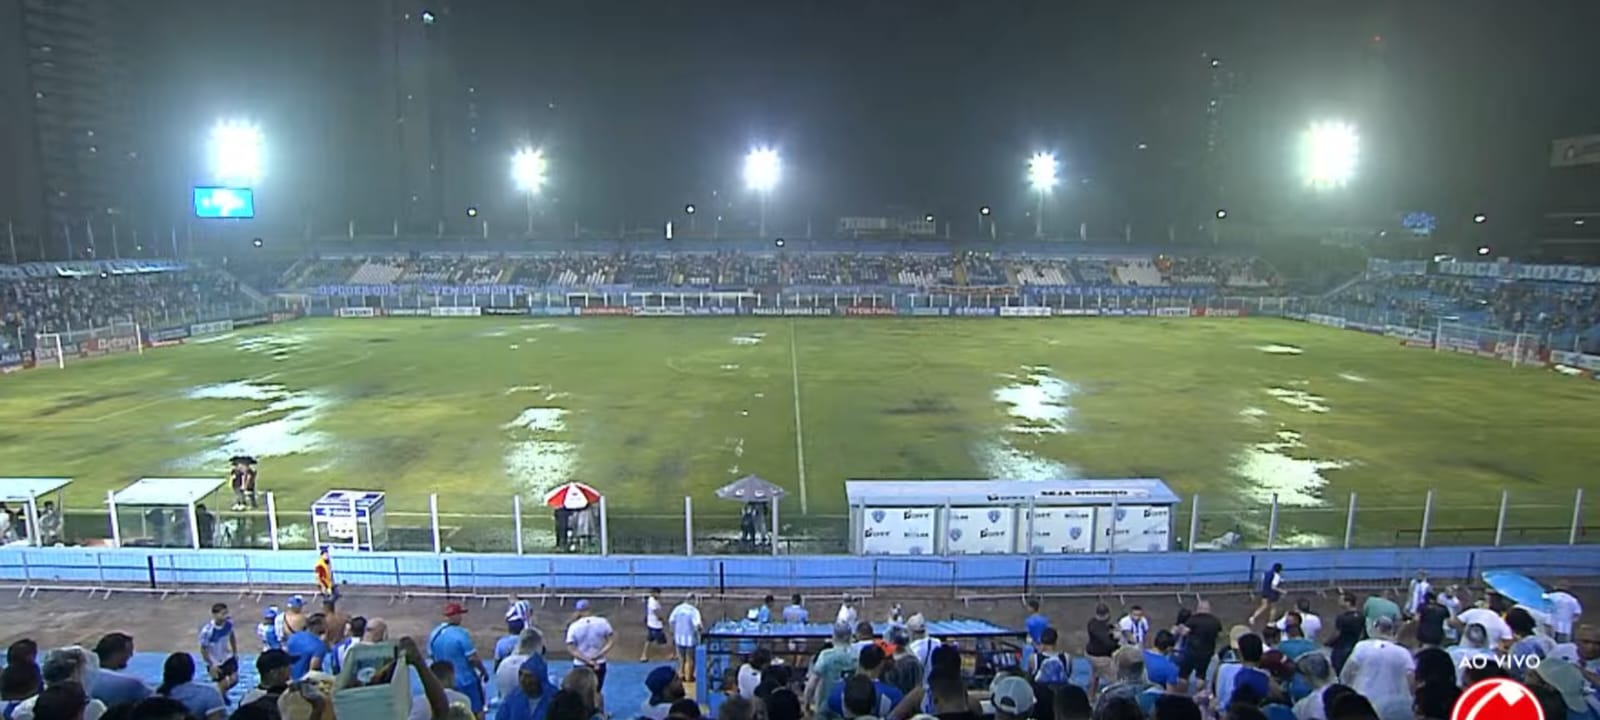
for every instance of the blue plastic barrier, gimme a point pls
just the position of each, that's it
(493, 574)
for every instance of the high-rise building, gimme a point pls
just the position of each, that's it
(63, 111)
(433, 113)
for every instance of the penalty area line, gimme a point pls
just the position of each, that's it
(799, 431)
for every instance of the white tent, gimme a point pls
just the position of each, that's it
(28, 492)
(162, 494)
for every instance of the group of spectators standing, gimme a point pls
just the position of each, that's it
(64, 304)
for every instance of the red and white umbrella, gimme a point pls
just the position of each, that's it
(572, 496)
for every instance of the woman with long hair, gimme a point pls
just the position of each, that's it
(177, 682)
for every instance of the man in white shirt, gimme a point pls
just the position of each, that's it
(1499, 632)
(686, 626)
(1134, 626)
(655, 630)
(1310, 623)
(922, 646)
(1381, 670)
(589, 639)
(1420, 587)
(847, 613)
(529, 643)
(1564, 610)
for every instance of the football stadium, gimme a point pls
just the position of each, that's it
(896, 360)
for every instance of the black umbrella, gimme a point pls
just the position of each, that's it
(750, 488)
(242, 460)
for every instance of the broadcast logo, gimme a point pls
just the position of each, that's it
(1497, 699)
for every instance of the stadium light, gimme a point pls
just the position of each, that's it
(1484, 250)
(1042, 176)
(472, 211)
(1222, 213)
(235, 148)
(1328, 154)
(528, 168)
(1480, 219)
(762, 167)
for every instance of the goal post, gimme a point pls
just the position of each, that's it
(1513, 347)
(116, 338)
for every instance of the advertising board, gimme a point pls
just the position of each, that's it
(1173, 312)
(1076, 312)
(552, 311)
(793, 311)
(406, 312)
(660, 312)
(1332, 321)
(14, 360)
(1029, 311)
(712, 311)
(505, 311)
(605, 311)
(929, 312)
(974, 312)
(455, 311)
(168, 334)
(355, 312)
(1411, 337)
(1138, 528)
(979, 530)
(867, 311)
(897, 531)
(1218, 312)
(1065, 529)
(210, 328)
(251, 320)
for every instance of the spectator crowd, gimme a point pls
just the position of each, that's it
(65, 304)
(1384, 656)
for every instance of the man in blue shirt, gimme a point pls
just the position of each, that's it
(453, 644)
(307, 646)
(795, 613)
(1036, 622)
(1158, 665)
(112, 685)
(870, 664)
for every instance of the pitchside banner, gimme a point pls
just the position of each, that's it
(552, 311)
(793, 311)
(1063, 529)
(1173, 312)
(712, 311)
(979, 530)
(1332, 321)
(867, 311)
(406, 312)
(210, 328)
(974, 312)
(455, 311)
(605, 311)
(1076, 312)
(1025, 311)
(897, 531)
(505, 311)
(660, 312)
(1411, 337)
(1138, 528)
(355, 312)
(14, 360)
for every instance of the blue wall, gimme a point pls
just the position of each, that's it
(100, 567)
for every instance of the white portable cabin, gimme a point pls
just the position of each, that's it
(164, 510)
(959, 517)
(29, 493)
(349, 518)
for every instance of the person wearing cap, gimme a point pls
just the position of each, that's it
(686, 626)
(1317, 673)
(829, 668)
(922, 646)
(1012, 697)
(112, 685)
(292, 619)
(267, 629)
(1382, 670)
(589, 640)
(273, 671)
(452, 643)
(665, 688)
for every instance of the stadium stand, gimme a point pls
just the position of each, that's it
(65, 304)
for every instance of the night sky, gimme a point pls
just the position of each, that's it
(924, 105)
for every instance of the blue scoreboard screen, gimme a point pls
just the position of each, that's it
(224, 202)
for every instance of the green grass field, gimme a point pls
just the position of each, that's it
(476, 410)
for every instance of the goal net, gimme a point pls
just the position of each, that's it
(1513, 347)
(64, 347)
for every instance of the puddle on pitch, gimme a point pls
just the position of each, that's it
(1276, 349)
(1039, 399)
(536, 458)
(274, 344)
(289, 433)
(1352, 377)
(750, 339)
(1001, 459)
(1270, 468)
(1301, 399)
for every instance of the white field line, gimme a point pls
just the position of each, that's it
(799, 434)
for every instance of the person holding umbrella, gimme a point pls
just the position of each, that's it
(567, 500)
(243, 480)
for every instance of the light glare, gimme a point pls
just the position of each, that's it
(1328, 154)
(1042, 171)
(527, 169)
(236, 150)
(761, 169)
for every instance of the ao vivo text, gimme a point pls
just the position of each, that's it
(1502, 661)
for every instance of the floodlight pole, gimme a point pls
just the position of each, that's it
(763, 203)
(530, 213)
(1038, 216)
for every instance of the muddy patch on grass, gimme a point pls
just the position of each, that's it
(84, 400)
(922, 406)
(1273, 468)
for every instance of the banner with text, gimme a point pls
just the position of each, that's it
(455, 311)
(979, 530)
(1068, 529)
(897, 531)
(1137, 528)
(355, 312)
(1031, 311)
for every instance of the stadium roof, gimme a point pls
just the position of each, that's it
(28, 489)
(167, 491)
(924, 493)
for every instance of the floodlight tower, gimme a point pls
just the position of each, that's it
(235, 150)
(1042, 177)
(1329, 151)
(762, 167)
(528, 168)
